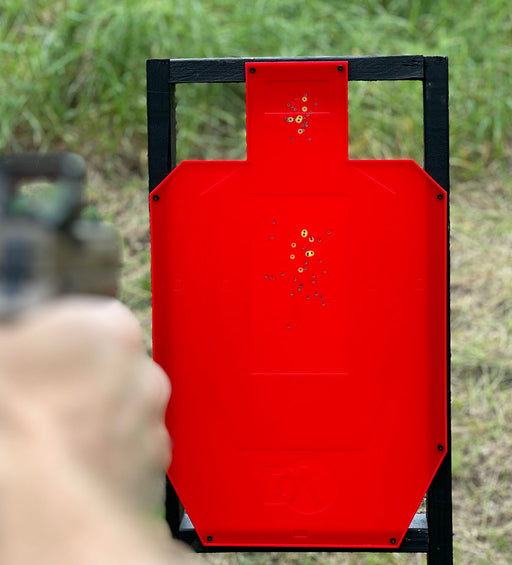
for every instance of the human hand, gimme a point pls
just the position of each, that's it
(81, 419)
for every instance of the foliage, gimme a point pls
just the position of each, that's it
(73, 72)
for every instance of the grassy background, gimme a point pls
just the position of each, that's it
(73, 77)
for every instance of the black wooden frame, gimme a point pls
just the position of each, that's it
(430, 533)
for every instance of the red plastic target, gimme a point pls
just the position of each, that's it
(299, 303)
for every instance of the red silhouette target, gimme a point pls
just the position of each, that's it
(299, 303)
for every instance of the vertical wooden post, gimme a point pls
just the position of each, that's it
(436, 140)
(161, 121)
(161, 160)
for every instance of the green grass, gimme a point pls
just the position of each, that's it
(73, 77)
(73, 71)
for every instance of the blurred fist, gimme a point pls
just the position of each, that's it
(78, 394)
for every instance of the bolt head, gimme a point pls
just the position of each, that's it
(156, 197)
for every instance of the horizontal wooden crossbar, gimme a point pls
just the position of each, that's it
(400, 67)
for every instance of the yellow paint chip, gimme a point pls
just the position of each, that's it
(304, 108)
(289, 119)
(311, 238)
(304, 99)
(304, 233)
(294, 245)
(292, 256)
(299, 119)
(310, 253)
(300, 131)
(300, 269)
